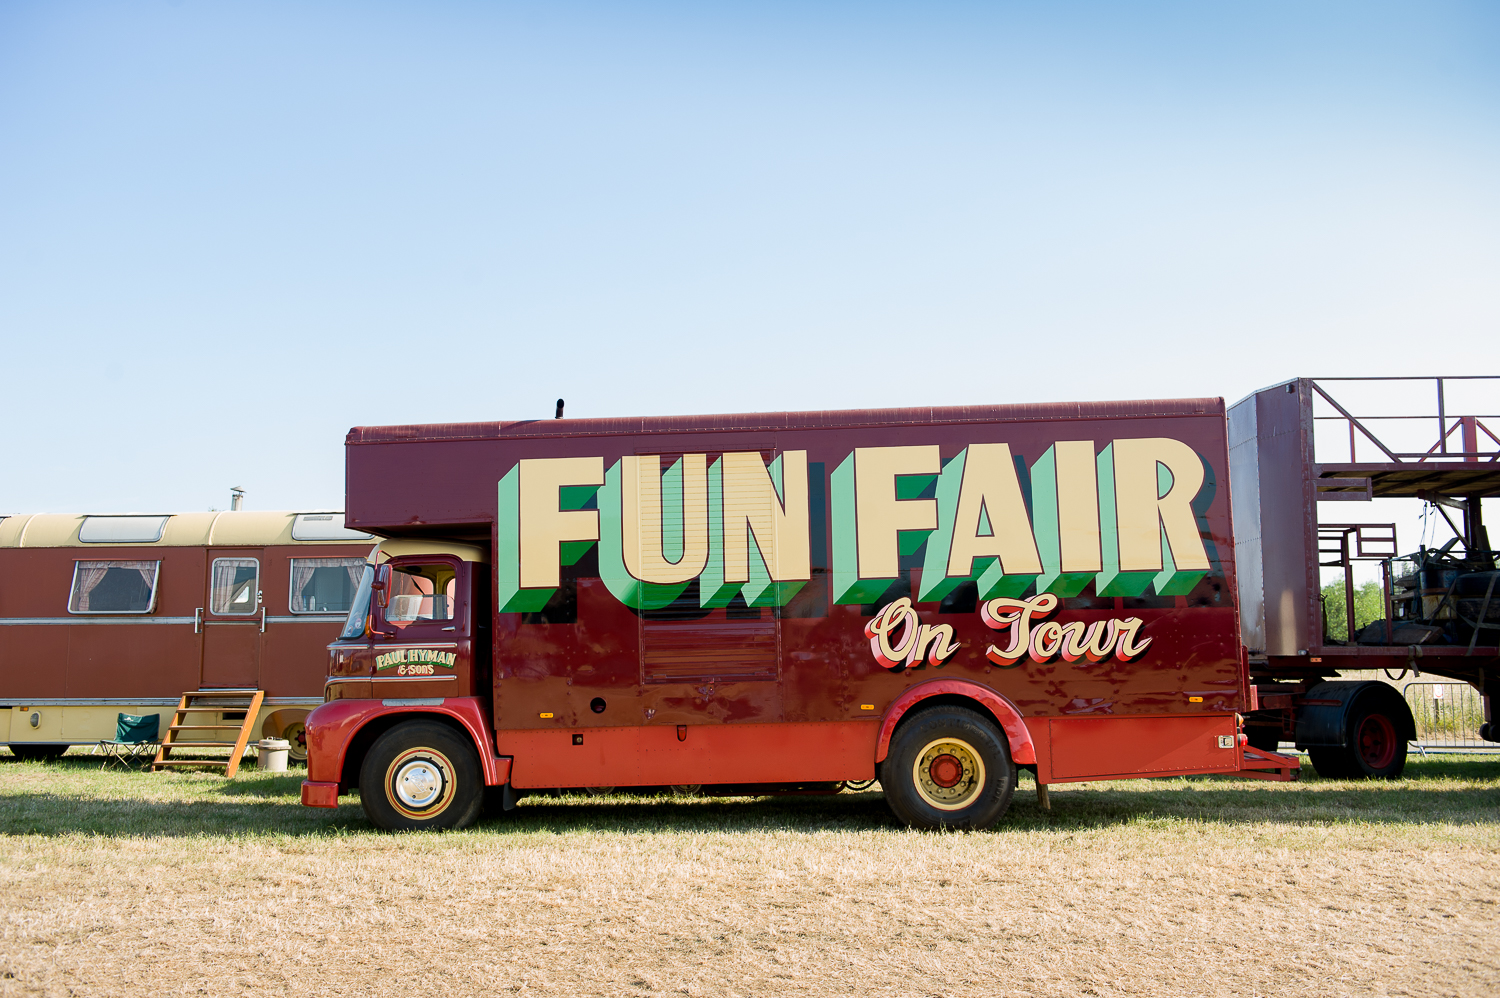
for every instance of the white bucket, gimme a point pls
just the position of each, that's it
(273, 754)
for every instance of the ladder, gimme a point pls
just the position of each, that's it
(190, 708)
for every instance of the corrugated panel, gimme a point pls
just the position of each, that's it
(712, 647)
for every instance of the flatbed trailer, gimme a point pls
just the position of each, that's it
(1300, 446)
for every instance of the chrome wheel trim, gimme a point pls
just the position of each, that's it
(419, 783)
(970, 783)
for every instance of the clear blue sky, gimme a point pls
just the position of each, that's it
(230, 231)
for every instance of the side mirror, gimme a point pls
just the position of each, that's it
(382, 585)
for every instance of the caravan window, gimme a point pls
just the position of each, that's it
(235, 587)
(113, 587)
(324, 585)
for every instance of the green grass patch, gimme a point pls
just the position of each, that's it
(73, 796)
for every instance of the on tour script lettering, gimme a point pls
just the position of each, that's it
(1043, 640)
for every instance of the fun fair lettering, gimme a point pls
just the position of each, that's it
(1123, 518)
(1044, 640)
(898, 640)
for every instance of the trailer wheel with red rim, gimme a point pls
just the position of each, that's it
(1374, 745)
(421, 774)
(1375, 741)
(948, 767)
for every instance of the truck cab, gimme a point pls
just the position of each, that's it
(413, 660)
(411, 632)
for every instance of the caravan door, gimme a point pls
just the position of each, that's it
(233, 620)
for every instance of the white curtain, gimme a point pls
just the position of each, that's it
(86, 578)
(302, 573)
(223, 589)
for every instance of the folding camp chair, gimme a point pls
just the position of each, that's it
(136, 740)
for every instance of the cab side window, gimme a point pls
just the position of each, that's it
(421, 593)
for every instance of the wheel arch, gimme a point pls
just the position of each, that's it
(357, 744)
(280, 719)
(962, 693)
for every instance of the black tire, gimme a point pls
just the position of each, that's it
(1374, 748)
(35, 753)
(421, 774)
(941, 744)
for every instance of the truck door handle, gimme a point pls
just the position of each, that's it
(448, 628)
(198, 621)
(262, 620)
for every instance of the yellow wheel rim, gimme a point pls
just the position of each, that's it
(948, 774)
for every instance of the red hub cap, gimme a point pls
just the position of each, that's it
(946, 771)
(1377, 741)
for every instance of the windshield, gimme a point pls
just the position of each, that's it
(354, 626)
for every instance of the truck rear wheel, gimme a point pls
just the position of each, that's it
(948, 767)
(421, 774)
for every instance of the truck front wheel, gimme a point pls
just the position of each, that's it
(948, 767)
(421, 774)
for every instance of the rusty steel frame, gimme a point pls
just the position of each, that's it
(1349, 480)
(1340, 533)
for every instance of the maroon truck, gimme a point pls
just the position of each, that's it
(750, 603)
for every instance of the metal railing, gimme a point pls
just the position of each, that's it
(1405, 417)
(1448, 717)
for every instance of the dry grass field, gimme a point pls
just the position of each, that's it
(132, 884)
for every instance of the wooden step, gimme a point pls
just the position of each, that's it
(250, 700)
(219, 744)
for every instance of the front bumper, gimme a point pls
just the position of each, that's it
(315, 794)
